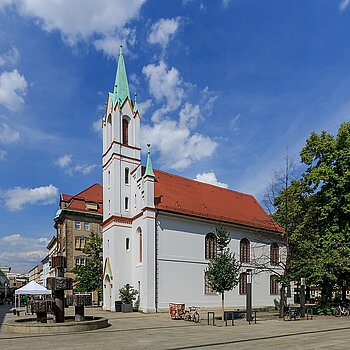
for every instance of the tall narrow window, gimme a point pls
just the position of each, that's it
(109, 129)
(77, 225)
(243, 283)
(109, 205)
(126, 176)
(210, 246)
(274, 254)
(140, 244)
(127, 244)
(273, 285)
(109, 179)
(245, 250)
(86, 226)
(126, 203)
(125, 132)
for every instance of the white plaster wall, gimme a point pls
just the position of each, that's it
(182, 263)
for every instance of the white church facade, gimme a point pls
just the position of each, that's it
(158, 227)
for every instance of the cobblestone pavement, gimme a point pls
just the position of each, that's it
(158, 331)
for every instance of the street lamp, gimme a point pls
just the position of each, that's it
(249, 296)
(302, 296)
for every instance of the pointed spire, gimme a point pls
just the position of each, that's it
(135, 103)
(149, 169)
(121, 86)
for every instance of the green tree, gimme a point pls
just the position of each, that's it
(223, 271)
(89, 276)
(319, 233)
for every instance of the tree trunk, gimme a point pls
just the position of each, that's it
(223, 305)
(282, 301)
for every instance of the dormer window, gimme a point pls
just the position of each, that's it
(125, 132)
(91, 206)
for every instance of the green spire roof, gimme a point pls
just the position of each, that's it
(121, 86)
(149, 169)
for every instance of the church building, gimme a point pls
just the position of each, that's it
(158, 227)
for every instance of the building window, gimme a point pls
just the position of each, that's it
(207, 289)
(80, 262)
(210, 246)
(126, 203)
(77, 225)
(109, 179)
(274, 285)
(245, 250)
(127, 244)
(86, 226)
(274, 254)
(126, 175)
(243, 283)
(80, 243)
(125, 132)
(109, 129)
(140, 244)
(109, 205)
(91, 206)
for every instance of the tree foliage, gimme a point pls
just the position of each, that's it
(89, 276)
(223, 271)
(320, 231)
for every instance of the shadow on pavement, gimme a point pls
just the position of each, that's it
(4, 309)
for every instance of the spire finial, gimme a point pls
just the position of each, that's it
(149, 169)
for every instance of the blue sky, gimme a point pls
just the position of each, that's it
(224, 87)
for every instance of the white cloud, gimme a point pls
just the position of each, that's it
(22, 253)
(177, 147)
(10, 58)
(189, 115)
(144, 106)
(97, 126)
(80, 20)
(164, 83)
(210, 178)
(109, 43)
(7, 135)
(13, 87)
(64, 161)
(2, 154)
(17, 197)
(163, 30)
(343, 5)
(84, 168)
(225, 3)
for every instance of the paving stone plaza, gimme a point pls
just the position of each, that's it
(158, 331)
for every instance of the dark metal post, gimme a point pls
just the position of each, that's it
(302, 296)
(249, 296)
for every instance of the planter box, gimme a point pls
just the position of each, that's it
(127, 308)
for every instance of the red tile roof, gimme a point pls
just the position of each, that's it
(92, 194)
(184, 196)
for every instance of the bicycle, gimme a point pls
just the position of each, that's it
(192, 314)
(342, 310)
(290, 314)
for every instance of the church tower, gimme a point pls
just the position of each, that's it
(121, 145)
(120, 157)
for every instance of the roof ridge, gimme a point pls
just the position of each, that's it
(206, 184)
(76, 195)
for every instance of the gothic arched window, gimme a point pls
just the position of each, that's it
(109, 129)
(245, 250)
(210, 246)
(274, 254)
(125, 140)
